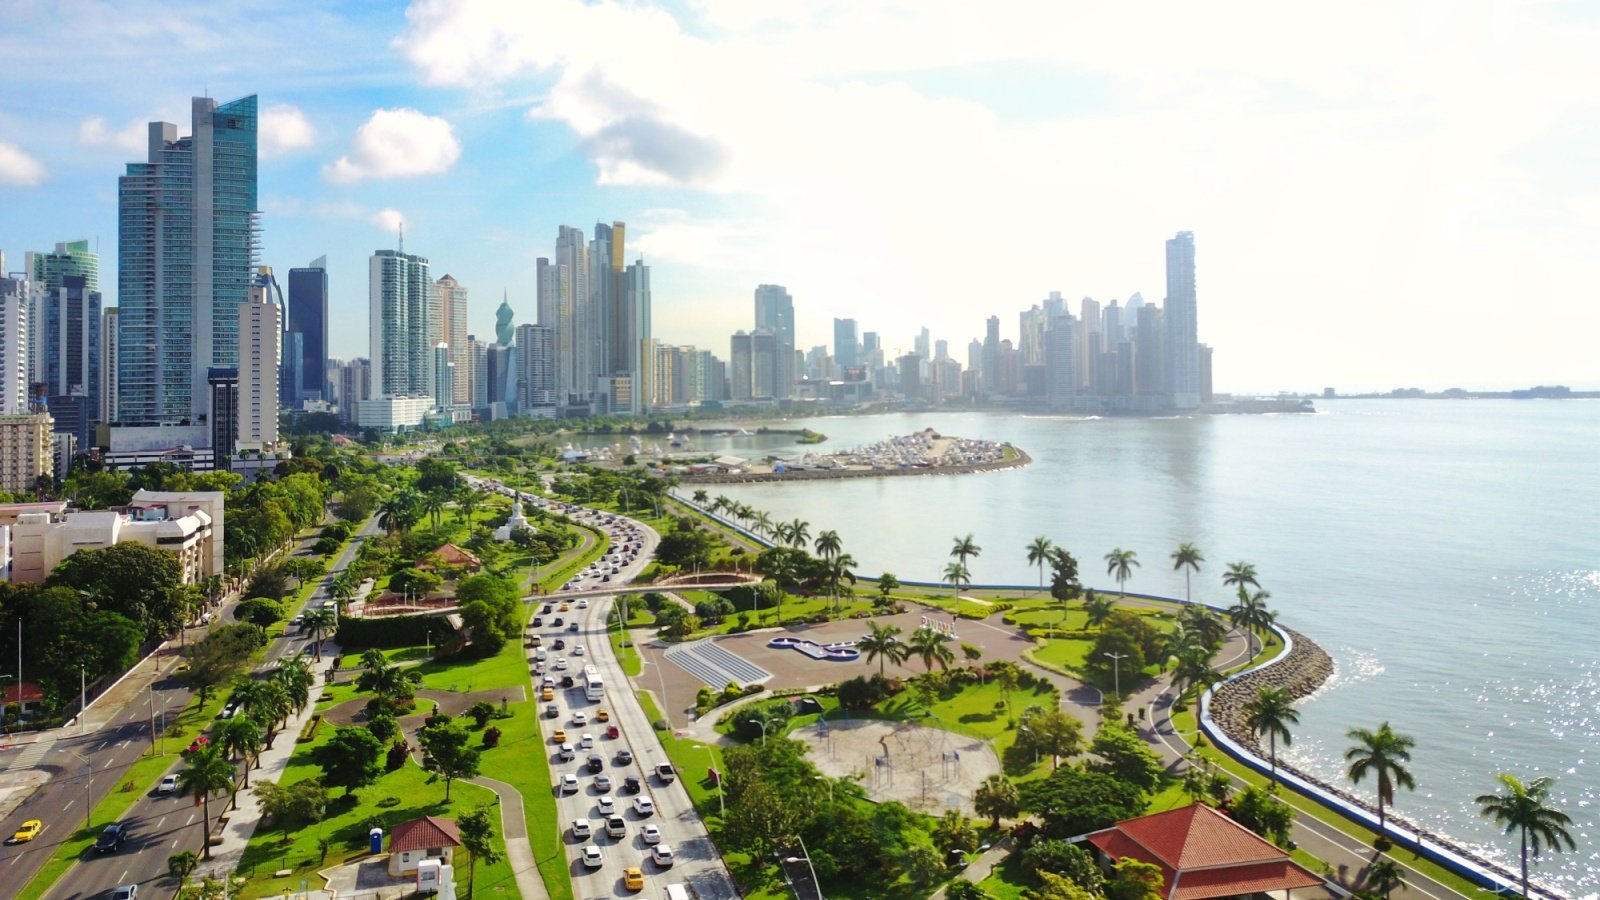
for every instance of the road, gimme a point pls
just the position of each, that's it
(696, 859)
(159, 825)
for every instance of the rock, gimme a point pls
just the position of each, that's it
(1300, 673)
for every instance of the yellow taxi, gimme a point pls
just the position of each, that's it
(633, 878)
(29, 830)
(565, 607)
(547, 694)
(604, 715)
(560, 737)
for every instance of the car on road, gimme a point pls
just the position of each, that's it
(662, 854)
(632, 785)
(596, 762)
(538, 621)
(580, 718)
(566, 681)
(547, 693)
(612, 730)
(633, 878)
(582, 829)
(111, 838)
(577, 649)
(587, 741)
(567, 753)
(617, 827)
(558, 622)
(573, 627)
(569, 783)
(560, 737)
(126, 892)
(560, 663)
(168, 785)
(665, 773)
(606, 805)
(565, 607)
(624, 757)
(558, 644)
(651, 834)
(29, 830)
(602, 783)
(643, 806)
(583, 604)
(602, 715)
(592, 857)
(552, 710)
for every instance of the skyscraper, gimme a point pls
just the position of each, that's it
(308, 317)
(775, 313)
(1089, 345)
(536, 371)
(1183, 337)
(636, 338)
(400, 296)
(576, 371)
(453, 306)
(187, 240)
(846, 346)
(752, 366)
(260, 330)
(108, 365)
(921, 343)
(67, 360)
(991, 356)
(444, 377)
(15, 340)
(1061, 346)
(69, 258)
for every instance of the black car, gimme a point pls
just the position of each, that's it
(110, 840)
(547, 608)
(566, 681)
(559, 621)
(632, 785)
(596, 763)
(538, 621)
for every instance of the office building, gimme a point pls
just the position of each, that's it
(453, 309)
(478, 359)
(1030, 335)
(1182, 338)
(1061, 347)
(1206, 393)
(711, 377)
(16, 338)
(536, 371)
(67, 355)
(401, 299)
(753, 366)
(108, 365)
(775, 313)
(576, 371)
(921, 344)
(1088, 358)
(355, 385)
(1149, 353)
(260, 329)
(444, 377)
(190, 525)
(636, 340)
(991, 357)
(69, 258)
(308, 317)
(26, 451)
(187, 239)
(846, 346)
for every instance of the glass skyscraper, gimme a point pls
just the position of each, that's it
(1183, 338)
(308, 317)
(187, 239)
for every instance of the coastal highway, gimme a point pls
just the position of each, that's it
(158, 825)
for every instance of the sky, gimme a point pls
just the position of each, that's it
(1381, 194)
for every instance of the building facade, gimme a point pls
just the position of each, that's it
(775, 313)
(453, 305)
(260, 333)
(401, 299)
(1183, 336)
(308, 317)
(27, 452)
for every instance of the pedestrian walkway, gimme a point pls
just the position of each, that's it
(715, 666)
(519, 850)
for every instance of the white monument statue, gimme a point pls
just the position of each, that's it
(517, 520)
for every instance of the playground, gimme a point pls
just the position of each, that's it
(927, 769)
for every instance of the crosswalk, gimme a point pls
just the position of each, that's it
(32, 754)
(714, 665)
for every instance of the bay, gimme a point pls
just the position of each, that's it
(1446, 553)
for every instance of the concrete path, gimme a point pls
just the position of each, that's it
(519, 850)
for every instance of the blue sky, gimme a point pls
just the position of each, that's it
(1381, 195)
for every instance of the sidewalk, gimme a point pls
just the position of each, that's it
(519, 851)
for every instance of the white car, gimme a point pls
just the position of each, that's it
(580, 718)
(606, 805)
(561, 662)
(662, 854)
(592, 857)
(587, 741)
(168, 785)
(643, 806)
(577, 649)
(567, 753)
(569, 783)
(126, 892)
(582, 603)
(651, 834)
(582, 829)
(602, 783)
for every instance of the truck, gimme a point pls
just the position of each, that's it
(665, 773)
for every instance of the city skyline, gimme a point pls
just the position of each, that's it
(1401, 184)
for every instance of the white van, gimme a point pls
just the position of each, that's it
(679, 892)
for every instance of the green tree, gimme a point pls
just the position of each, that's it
(1133, 879)
(138, 581)
(1384, 875)
(887, 584)
(1123, 755)
(996, 798)
(1051, 732)
(1071, 801)
(931, 646)
(1057, 887)
(1064, 584)
(1526, 808)
(829, 545)
(923, 864)
(961, 889)
(1058, 857)
(1039, 554)
(882, 643)
(477, 836)
(350, 759)
(1098, 608)
(262, 611)
(1263, 814)
(957, 576)
(1270, 713)
(838, 569)
(1382, 753)
(240, 738)
(1188, 558)
(220, 656)
(1120, 564)
(1240, 574)
(953, 832)
(1251, 615)
(963, 549)
(447, 752)
(182, 864)
(1193, 669)
(322, 621)
(207, 772)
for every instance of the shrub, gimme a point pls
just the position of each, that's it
(398, 751)
(491, 737)
(309, 732)
(481, 712)
(384, 727)
(263, 611)
(864, 693)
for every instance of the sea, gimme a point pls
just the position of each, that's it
(1446, 553)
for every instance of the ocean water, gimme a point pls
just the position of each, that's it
(1445, 553)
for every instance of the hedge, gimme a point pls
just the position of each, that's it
(389, 631)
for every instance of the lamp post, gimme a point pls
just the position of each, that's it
(763, 723)
(88, 780)
(722, 806)
(815, 884)
(829, 782)
(1116, 671)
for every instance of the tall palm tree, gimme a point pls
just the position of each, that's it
(799, 533)
(1188, 558)
(828, 544)
(883, 644)
(700, 496)
(1194, 669)
(957, 576)
(249, 696)
(240, 737)
(718, 504)
(964, 549)
(321, 622)
(1384, 876)
(1270, 712)
(294, 676)
(931, 646)
(1240, 574)
(400, 511)
(1120, 564)
(1039, 554)
(839, 569)
(468, 503)
(1526, 808)
(1202, 622)
(1383, 753)
(208, 772)
(343, 587)
(1098, 608)
(1251, 615)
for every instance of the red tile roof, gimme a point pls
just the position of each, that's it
(451, 555)
(29, 691)
(426, 833)
(1203, 854)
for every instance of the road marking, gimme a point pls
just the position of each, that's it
(191, 820)
(160, 820)
(109, 763)
(123, 877)
(69, 805)
(174, 843)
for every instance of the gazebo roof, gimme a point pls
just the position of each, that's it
(451, 555)
(425, 833)
(1203, 854)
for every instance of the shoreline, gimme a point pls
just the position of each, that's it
(1016, 462)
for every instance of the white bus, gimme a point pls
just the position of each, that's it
(593, 686)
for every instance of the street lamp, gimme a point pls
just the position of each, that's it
(88, 780)
(722, 806)
(829, 781)
(1116, 672)
(815, 884)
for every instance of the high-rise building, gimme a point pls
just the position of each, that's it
(846, 345)
(1149, 353)
(308, 317)
(991, 356)
(775, 313)
(1030, 335)
(355, 385)
(69, 258)
(16, 337)
(1061, 346)
(1088, 358)
(941, 349)
(444, 377)
(67, 355)
(222, 382)
(753, 366)
(636, 339)
(260, 330)
(536, 371)
(401, 298)
(478, 359)
(1111, 326)
(26, 451)
(187, 239)
(108, 365)
(574, 350)
(1183, 337)
(921, 343)
(1206, 393)
(453, 306)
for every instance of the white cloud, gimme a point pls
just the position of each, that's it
(97, 133)
(387, 220)
(283, 130)
(397, 143)
(17, 167)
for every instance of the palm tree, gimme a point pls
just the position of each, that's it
(400, 511)
(1039, 554)
(343, 588)
(1202, 622)
(761, 523)
(1384, 876)
(240, 737)
(931, 646)
(996, 797)
(1187, 557)
(1239, 574)
(1526, 808)
(839, 570)
(964, 548)
(322, 621)
(1194, 669)
(468, 503)
(700, 496)
(1270, 713)
(828, 544)
(1251, 615)
(799, 533)
(373, 660)
(1120, 564)
(1383, 753)
(1098, 608)
(250, 697)
(207, 773)
(883, 644)
(181, 864)
(718, 504)
(294, 676)
(957, 576)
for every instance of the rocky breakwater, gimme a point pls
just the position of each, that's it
(1299, 674)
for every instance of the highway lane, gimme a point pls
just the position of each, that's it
(161, 825)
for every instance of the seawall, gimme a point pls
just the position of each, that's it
(1020, 459)
(1299, 673)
